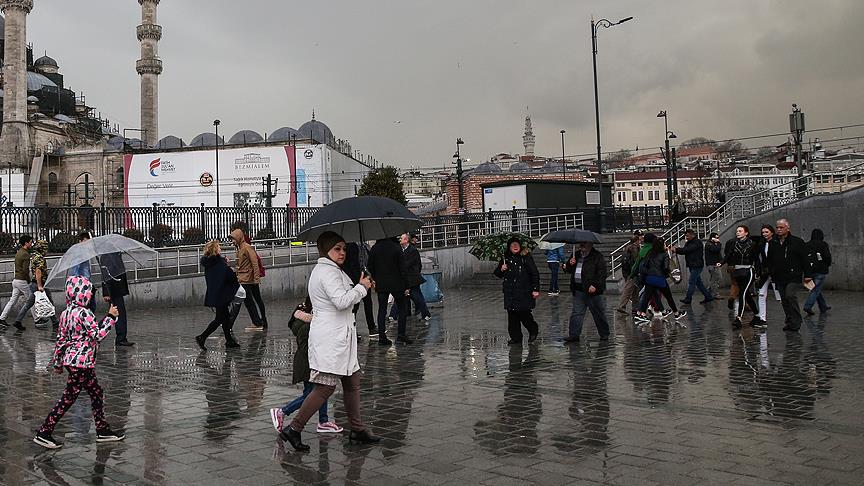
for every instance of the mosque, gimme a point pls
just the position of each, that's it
(56, 149)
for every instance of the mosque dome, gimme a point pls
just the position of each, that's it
(206, 140)
(283, 135)
(244, 137)
(115, 144)
(520, 167)
(553, 166)
(317, 131)
(487, 168)
(36, 81)
(170, 142)
(45, 61)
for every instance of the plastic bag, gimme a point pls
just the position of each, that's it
(43, 308)
(241, 294)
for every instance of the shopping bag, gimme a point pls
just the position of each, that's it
(43, 308)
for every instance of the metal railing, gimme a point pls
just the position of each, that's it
(464, 233)
(746, 205)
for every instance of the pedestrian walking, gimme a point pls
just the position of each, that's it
(740, 256)
(222, 286)
(332, 341)
(115, 288)
(654, 270)
(554, 260)
(249, 276)
(39, 270)
(299, 324)
(78, 339)
(694, 259)
(20, 282)
(588, 272)
(357, 259)
(521, 285)
(414, 276)
(763, 274)
(83, 268)
(789, 263)
(713, 256)
(630, 290)
(820, 259)
(389, 273)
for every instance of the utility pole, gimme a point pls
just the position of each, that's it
(269, 184)
(563, 162)
(459, 173)
(796, 126)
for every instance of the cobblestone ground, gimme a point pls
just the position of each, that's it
(666, 404)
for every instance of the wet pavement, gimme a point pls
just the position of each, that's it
(666, 404)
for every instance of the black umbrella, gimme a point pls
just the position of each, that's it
(360, 219)
(572, 236)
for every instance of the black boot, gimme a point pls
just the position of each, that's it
(200, 340)
(293, 437)
(363, 437)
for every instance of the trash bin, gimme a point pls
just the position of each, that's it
(430, 289)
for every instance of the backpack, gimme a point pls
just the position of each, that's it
(261, 268)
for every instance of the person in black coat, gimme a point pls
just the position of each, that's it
(387, 269)
(521, 288)
(588, 272)
(414, 278)
(820, 257)
(222, 286)
(694, 258)
(356, 257)
(741, 254)
(789, 262)
(713, 256)
(114, 290)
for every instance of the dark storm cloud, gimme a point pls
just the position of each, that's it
(446, 69)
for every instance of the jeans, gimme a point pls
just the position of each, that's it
(517, 319)
(295, 404)
(553, 281)
(815, 295)
(20, 290)
(597, 305)
(399, 300)
(714, 280)
(789, 300)
(419, 304)
(695, 282)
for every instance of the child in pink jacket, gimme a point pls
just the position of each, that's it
(78, 338)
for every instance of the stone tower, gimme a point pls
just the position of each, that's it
(149, 67)
(528, 138)
(15, 135)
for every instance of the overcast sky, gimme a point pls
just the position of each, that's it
(448, 69)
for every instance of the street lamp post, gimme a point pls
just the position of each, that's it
(594, 26)
(459, 173)
(563, 163)
(216, 124)
(671, 190)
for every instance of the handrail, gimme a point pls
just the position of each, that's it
(705, 224)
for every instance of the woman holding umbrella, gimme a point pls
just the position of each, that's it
(332, 341)
(521, 288)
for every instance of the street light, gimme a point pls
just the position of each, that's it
(216, 124)
(594, 26)
(563, 163)
(670, 187)
(458, 158)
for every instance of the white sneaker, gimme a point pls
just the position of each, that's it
(276, 416)
(390, 319)
(666, 314)
(329, 428)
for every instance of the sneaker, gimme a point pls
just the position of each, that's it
(107, 435)
(427, 318)
(736, 324)
(404, 340)
(557, 292)
(383, 341)
(253, 327)
(532, 338)
(706, 300)
(41, 324)
(571, 339)
(277, 416)
(19, 326)
(665, 314)
(809, 312)
(685, 301)
(329, 428)
(390, 319)
(45, 440)
(758, 322)
(641, 319)
(680, 314)
(200, 341)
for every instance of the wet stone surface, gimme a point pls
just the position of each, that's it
(666, 404)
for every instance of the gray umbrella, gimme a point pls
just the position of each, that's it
(360, 219)
(572, 236)
(96, 247)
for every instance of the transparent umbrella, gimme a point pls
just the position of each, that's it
(139, 253)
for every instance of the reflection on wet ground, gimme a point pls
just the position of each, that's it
(664, 404)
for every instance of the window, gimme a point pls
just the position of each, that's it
(650, 195)
(639, 195)
(52, 184)
(118, 177)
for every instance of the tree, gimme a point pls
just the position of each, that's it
(698, 142)
(619, 156)
(384, 182)
(730, 149)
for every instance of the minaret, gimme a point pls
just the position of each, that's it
(149, 67)
(528, 138)
(15, 136)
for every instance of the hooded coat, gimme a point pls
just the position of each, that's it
(248, 271)
(221, 281)
(520, 279)
(79, 332)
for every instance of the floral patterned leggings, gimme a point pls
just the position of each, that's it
(78, 378)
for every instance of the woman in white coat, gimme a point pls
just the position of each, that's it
(332, 341)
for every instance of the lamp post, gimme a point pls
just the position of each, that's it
(594, 26)
(796, 127)
(216, 124)
(563, 163)
(670, 190)
(459, 173)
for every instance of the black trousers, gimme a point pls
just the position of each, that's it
(367, 309)
(401, 301)
(517, 319)
(223, 318)
(789, 301)
(255, 305)
(746, 282)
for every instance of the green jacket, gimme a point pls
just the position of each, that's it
(22, 265)
(643, 252)
(301, 356)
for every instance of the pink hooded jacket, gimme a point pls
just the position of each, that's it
(79, 333)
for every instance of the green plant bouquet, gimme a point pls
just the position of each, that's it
(492, 247)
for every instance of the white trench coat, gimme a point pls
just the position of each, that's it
(332, 333)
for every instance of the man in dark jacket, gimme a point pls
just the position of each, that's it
(713, 256)
(788, 262)
(356, 258)
(414, 277)
(695, 260)
(115, 287)
(820, 258)
(587, 283)
(387, 269)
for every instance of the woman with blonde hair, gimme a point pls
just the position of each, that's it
(222, 285)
